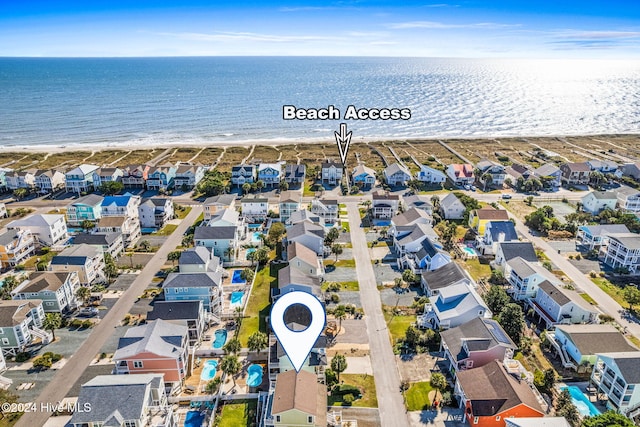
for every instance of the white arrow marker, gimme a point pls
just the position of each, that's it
(343, 139)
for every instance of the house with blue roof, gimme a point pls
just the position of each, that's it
(363, 176)
(127, 207)
(496, 232)
(161, 177)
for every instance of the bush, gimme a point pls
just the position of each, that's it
(345, 389)
(578, 257)
(348, 399)
(331, 377)
(87, 324)
(335, 298)
(23, 356)
(592, 274)
(42, 362)
(333, 287)
(76, 323)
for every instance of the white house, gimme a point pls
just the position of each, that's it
(623, 251)
(384, 205)
(154, 212)
(396, 174)
(309, 235)
(222, 241)
(628, 199)
(126, 206)
(496, 232)
(327, 209)
(597, 201)
(86, 260)
(461, 174)
(270, 173)
(20, 179)
(596, 236)
(188, 176)
(48, 181)
(429, 175)
(603, 166)
(15, 247)
(616, 375)
(455, 305)
(491, 173)
(451, 207)
(49, 229)
(106, 174)
(215, 204)
(550, 172)
(80, 179)
(509, 250)
(525, 277)
(555, 304)
(254, 208)
(288, 203)
(243, 174)
(331, 172)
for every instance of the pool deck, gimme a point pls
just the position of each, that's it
(591, 396)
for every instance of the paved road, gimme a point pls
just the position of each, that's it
(66, 377)
(385, 371)
(606, 304)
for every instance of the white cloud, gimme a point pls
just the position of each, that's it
(433, 25)
(247, 36)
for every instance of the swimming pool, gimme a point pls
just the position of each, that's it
(221, 338)
(254, 226)
(255, 375)
(237, 279)
(469, 251)
(193, 419)
(209, 370)
(236, 299)
(583, 405)
(255, 237)
(148, 230)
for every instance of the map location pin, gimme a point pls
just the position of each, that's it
(297, 344)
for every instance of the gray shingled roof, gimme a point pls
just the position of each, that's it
(89, 199)
(102, 239)
(592, 339)
(158, 337)
(305, 227)
(75, 255)
(193, 280)
(410, 216)
(505, 227)
(524, 250)
(42, 280)
(215, 233)
(449, 200)
(599, 230)
(195, 256)
(485, 332)
(444, 276)
(175, 310)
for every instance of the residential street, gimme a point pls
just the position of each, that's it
(391, 406)
(606, 304)
(57, 389)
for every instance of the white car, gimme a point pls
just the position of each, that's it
(467, 187)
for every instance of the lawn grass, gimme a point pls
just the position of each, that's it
(238, 414)
(340, 263)
(31, 262)
(344, 286)
(258, 306)
(367, 386)
(381, 243)
(612, 290)
(517, 207)
(345, 225)
(166, 230)
(10, 419)
(417, 397)
(588, 298)
(476, 269)
(398, 325)
(182, 213)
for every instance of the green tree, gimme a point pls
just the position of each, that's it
(258, 341)
(145, 245)
(230, 365)
(435, 202)
(8, 284)
(337, 250)
(332, 236)
(631, 295)
(246, 187)
(409, 277)
(276, 233)
(549, 380)
(233, 346)
(262, 256)
(20, 193)
(338, 364)
(512, 321)
(439, 382)
(284, 186)
(111, 187)
(608, 419)
(187, 240)
(251, 256)
(83, 293)
(260, 184)
(51, 322)
(110, 267)
(528, 200)
(565, 408)
(340, 313)
(496, 299)
(213, 386)
(247, 275)
(411, 337)
(174, 256)
(87, 225)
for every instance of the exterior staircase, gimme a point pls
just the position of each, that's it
(5, 383)
(564, 357)
(45, 336)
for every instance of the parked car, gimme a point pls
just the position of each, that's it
(88, 312)
(473, 188)
(506, 196)
(467, 187)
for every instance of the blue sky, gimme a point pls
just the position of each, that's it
(546, 29)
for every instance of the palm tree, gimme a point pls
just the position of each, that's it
(130, 255)
(233, 346)
(51, 322)
(83, 293)
(145, 245)
(228, 253)
(488, 180)
(260, 184)
(246, 187)
(258, 341)
(230, 366)
(439, 382)
(213, 385)
(435, 202)
(174, 256)
(336, 249)
(340, 313)
(87, 225)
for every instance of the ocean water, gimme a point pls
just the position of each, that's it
(108, 102)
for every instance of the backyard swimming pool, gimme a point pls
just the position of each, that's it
(255, 375)
(255, 237)
(469, 252)
(193, 419)
(237, 279)
(236, 299)
(221, 338)
(209, 370)
(582, 403)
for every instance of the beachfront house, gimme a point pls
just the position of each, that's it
(455, 304)
(57, 291)
(631, 170)
(124, 400)
(205, 287)
(524, 278)
(289, 202)
(449, 274)
(105, 175)
(628, 199)
(516, 171)
(3, 178)
(86, 208)
(597, 201)
(215, 204)
(304, 259)
(223, 241)
(188, 176)
(154, 212)
(331, 172)
(603, 166)
(617, 378)
(270, 173)
(384, 205)
(294, 174)
(596, 236)
(152, 348)
(80, 179)
(479, 218)
(492, 174)
(327, 209)
(496, 232)
(298, 399)
(461, 174)
(575, 173)
(20, 179)
(396, 174)
(49, 229)
(554, 304)
(135, 176)
(86, 260)
(476, 343)
(429, 175)
(15, 247)
(622, 252)
(308, 234)
(495, 392)
(20, 324)
(49, 180)
(550, 175)
(109, 243)
(180, 312)
(161, 177)
(124, 206)
(451, 207)
(363, 176)
(579, 344)
(243, 174)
